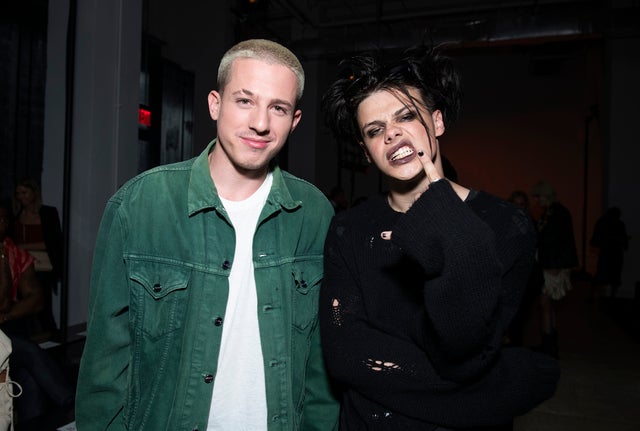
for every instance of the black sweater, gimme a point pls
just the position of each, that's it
(412, 327)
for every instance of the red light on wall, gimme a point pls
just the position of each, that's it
(144, 117)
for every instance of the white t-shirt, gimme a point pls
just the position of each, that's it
(239, 398)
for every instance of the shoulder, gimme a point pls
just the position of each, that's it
(502, 216)
(159, 173)
(373, 211)
(487, 205)
(48, 211)
(161, 182)
(299, 185)
(305, 192)
(560, 210)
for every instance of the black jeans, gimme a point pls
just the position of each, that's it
(40, 377)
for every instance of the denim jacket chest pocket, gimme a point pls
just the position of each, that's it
(159, 295)
(307, 277)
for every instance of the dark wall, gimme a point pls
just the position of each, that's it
(23, 30)
(528, 115)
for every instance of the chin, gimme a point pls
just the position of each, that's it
(407, 173)
(253, 165)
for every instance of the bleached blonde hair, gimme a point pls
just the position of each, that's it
(264, 50)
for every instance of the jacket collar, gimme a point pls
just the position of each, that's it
(202, 193)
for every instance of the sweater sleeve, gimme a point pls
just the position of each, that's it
(463, 286)
(355, 348)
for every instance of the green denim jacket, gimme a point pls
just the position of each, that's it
(158, 297)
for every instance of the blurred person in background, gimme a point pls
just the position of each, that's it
(611, 239)
(37, 230)
(557, 256)
(47, 396)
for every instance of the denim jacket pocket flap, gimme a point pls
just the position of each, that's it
(158, 278)
(307, 276)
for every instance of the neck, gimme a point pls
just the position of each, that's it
(402, 196)
(233, 183)
(30, 208)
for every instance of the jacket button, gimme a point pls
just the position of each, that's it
(157, 287)
(218, 321)
(226, 264)
(208, 378)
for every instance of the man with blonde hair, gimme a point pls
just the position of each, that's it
(204, 292)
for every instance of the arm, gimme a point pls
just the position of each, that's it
(5, 280)
(31, 297)
(463, 287)
(102, 381)
(450, 257)
(354, 342)
(320, 406)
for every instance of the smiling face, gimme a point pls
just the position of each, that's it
(25, 196)
(393, 133)
(255, 113)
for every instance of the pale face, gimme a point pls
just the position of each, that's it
(25, 195)
(520, 202)
(255, 114)
(393, 133)
(541, 200)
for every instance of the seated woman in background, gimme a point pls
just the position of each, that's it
(422, 281)
(21, 298)
(37, 230)
(20, 292)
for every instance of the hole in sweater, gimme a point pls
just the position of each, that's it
(378, 365)
(336, 312)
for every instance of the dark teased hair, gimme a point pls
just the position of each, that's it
(421, 67)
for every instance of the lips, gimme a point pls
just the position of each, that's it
(256, 143)
(400, 151)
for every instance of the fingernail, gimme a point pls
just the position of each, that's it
(421, 153)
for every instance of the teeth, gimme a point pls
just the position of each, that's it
(402, 152)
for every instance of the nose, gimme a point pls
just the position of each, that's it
(391, 133)
(259, 121)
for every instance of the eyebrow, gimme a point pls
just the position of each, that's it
(376, 122)
(244, 91)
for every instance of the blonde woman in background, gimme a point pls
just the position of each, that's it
(37, 230)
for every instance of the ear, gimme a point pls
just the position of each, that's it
(297, 115)
(214, 100)
(366, 152)
(438, 122)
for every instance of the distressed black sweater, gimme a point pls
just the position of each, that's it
(412, 328)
